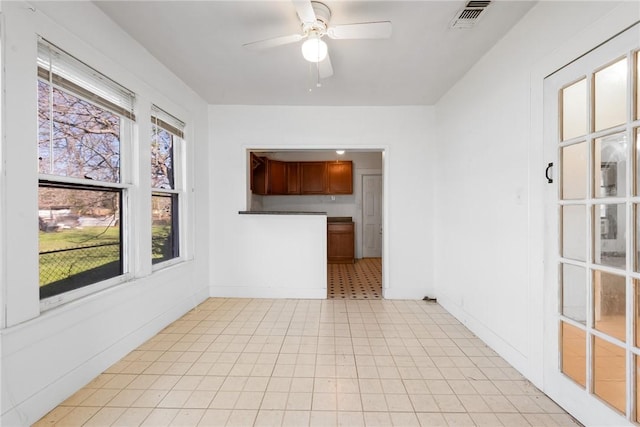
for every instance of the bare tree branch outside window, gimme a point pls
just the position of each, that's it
(76, 138)
(161, 158)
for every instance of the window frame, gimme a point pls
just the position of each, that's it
(123, 187)
(169, 123)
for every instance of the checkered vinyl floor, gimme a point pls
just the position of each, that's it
(361, 280)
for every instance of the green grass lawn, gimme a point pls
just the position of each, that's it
(62, 265)
(87, 236)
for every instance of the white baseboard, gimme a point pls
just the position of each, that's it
(42, 401)
(404, 293)
(266, 292)
(518, 360)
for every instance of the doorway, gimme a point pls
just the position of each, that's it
(363, 278)
(592, 214)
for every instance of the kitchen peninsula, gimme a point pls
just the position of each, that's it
(340, 235)
(288, 253)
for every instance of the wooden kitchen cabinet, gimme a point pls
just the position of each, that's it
(293, 178)
(258, 174)
(340, 243)
(268, 176)
(340, 177)
(277, 177)
(313, 177)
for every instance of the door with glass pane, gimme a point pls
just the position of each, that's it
(592, 267)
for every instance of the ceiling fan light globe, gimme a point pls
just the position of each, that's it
(314, 49)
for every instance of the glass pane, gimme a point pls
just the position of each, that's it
(161, 158)
(574, 292)
(574, 239)
(637, 85)
(636, 306)
(574, 353)
(609, 381)
(574, 110)
(79, 240)
(610, 164)
(164, 238)
(611, 95)
(636, 210)
(637, 387)
(637, 166)
(609, 304)
(44, 129)
(574, 171)
(82, 142)
(610, 235)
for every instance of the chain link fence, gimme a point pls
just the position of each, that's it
(61, 264)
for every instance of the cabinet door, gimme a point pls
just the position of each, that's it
(313, 177)
(340, 177)
(277, 177)
(293, 178)
(340, 243)
(258, 174)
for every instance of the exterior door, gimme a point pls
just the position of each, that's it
(592, 218)
(372, 216)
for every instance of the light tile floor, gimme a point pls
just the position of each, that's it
(244, 362)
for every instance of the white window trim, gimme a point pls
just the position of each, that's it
(179, 157)
(127, 144)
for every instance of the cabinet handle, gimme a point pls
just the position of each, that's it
(546, 173)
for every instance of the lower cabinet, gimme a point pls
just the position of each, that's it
(340, 243)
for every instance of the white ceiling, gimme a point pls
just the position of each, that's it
(201, 42)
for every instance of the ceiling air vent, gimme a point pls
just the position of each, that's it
(468, 16)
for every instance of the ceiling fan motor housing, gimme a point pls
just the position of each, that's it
(323, 15)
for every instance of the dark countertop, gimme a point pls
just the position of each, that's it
(333, 219)
(280, 213)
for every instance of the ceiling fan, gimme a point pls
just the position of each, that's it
(314, 17)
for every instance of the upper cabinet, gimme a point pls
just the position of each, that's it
(277, 177)
(313, 177)
(340, 177)
(258, 174)
(274, 177)
(293, 178)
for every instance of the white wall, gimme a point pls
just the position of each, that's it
(489, 215)
(46, 356)
(404, 133)
(341, 205)
(283, 256)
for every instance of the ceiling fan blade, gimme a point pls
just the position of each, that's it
(276, 41)
(364, 30)
(325, 68)
(305, 11)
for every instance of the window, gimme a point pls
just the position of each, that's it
(84, 122)
(166, 138)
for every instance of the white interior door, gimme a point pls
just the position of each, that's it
(592, 226)
(372, 216)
